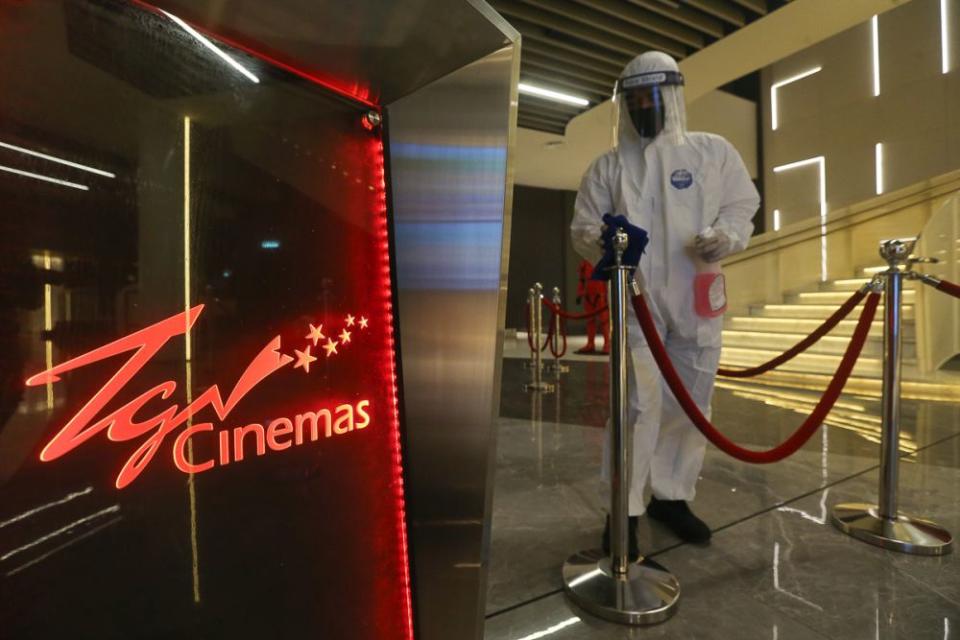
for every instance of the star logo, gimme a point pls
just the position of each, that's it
(350, 320)
(316, 334)
(304, 359)
(330, 347)
(345, 337)
(363, 322)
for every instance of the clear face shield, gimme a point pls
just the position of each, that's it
(646, 104)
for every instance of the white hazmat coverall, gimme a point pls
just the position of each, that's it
(674, 186)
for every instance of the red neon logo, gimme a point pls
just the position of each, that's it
(122, 424)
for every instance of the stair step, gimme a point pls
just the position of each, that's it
(804, 326)
(827, 345)
(872, 271)
(836, 298)
(852, 284)
(866, 367)
(846, 284)
(811, 311)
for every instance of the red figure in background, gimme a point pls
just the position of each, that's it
(592, 294)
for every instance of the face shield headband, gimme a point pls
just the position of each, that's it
(649, 79)
(641, 96)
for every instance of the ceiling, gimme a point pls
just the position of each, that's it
(580, 46)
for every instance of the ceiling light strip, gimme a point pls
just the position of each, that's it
(37, 176)
(550, 94)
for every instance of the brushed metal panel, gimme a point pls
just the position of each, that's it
(451, 181)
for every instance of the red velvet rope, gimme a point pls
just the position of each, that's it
(530, 332)
(563, 336)
(801, 346)
(573, 316)
(949, 287)
(809, 426)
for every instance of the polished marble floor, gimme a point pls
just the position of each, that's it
(776, 569)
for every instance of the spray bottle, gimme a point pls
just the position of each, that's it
(709, 287)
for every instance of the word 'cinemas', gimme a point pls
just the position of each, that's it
(279, 434)
(127, 423)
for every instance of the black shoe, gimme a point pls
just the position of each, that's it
(633, 549)
(680, 520)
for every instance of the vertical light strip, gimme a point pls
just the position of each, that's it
(186, 235)
(822, 192)
(878, 156)
(944, 39)
(823, 219)
(188, 357)
(776, 219)
(48, 325)
(192, 490)
(875, 30)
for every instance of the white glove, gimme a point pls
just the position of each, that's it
(713, 245)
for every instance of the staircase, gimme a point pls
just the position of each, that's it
(770, 329)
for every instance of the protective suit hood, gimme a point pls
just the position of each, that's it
(648, 68)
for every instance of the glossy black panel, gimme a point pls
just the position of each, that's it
(173, 222)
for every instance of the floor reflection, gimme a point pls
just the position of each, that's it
(776, 563)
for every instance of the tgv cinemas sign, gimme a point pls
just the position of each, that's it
(169, 431)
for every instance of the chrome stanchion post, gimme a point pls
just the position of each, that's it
(531, 320)
(614, 588)
(882, 524)
(536, 305)
(556, 366)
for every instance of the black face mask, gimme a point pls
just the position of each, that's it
(648, 121)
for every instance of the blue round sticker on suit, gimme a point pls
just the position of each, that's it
(681, 179)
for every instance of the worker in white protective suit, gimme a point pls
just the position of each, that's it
(691, 192)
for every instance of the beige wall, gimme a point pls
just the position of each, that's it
(834, 113)
(730, 116)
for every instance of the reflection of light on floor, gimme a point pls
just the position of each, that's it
(551, 630)
(45, 506)
(799, 397)
(776, 580)
(806, 515)
(845, 415)
(867, 387)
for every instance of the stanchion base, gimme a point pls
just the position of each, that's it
(541, 387)
(648, 594)
(904, 534)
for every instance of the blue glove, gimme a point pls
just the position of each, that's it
(631, 256)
